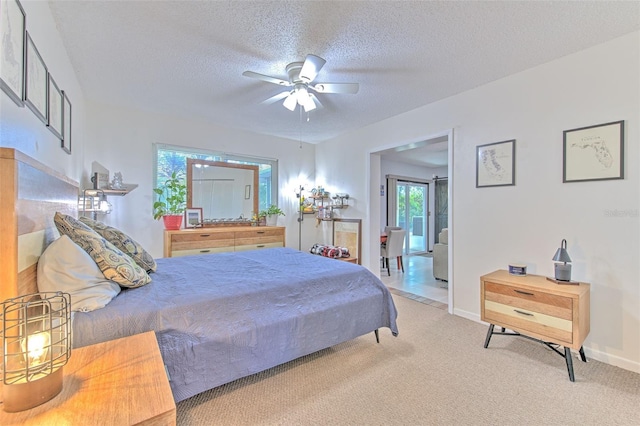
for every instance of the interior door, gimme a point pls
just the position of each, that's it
(412, 207)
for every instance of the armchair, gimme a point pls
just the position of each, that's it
(441, 256)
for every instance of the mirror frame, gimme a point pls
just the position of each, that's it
(192, 161)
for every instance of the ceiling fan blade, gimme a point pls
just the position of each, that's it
(311, 67)
(351, 88)
(275, 98)
(266, 78)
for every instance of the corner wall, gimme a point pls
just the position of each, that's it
(492, 227)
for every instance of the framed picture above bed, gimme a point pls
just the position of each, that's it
(65, 144)
(36, 75)
(12, 25)
(193, 217)
(348, 233)
(54, 108)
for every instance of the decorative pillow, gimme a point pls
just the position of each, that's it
(65, 267)
(124, 242)
(114, 264)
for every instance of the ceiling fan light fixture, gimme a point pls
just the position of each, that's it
(309, 104)
(290, 102)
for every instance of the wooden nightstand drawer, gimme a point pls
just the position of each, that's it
(531, 300)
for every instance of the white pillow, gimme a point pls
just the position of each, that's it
(65, 266)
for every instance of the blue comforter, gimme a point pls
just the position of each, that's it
(220, 317)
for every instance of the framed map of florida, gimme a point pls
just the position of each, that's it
(594, 153)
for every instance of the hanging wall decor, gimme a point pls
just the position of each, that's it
(496, 164)
(13, 30)
(55, 108)
(35, 94)
(593, 153)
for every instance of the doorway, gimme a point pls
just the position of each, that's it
(412, 207)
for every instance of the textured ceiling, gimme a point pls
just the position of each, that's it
(187, 57)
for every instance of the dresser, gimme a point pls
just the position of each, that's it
(185, 242)
(538, 309)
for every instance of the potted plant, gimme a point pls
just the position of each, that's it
(171, 202)
(271, 214)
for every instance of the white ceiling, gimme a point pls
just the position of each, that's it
(187, 57)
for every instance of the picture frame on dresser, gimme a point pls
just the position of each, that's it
(36, 81)
(65, 143)
(193, 217)
(13, 21)
(593, 153)
(55, 106)
(496, 164)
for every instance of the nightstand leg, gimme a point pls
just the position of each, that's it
(489, 333)
(567, 356)
(583, 357)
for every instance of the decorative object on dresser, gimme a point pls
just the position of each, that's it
(563, 269)
(593, 153)
(36, 337)
(171, 202)
(187, 242)
(496, 164)
(193, 217)
(536, 309)
(271, 214)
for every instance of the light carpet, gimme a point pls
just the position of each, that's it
(434, 372)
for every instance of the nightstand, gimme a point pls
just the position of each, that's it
(120, 382)
(538, 309)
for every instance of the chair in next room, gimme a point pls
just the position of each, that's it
(393, 248)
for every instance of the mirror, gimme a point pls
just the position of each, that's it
(226, 192)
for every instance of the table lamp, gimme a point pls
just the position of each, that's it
(35, 333)
(562, 270)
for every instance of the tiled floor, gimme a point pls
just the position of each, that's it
(417, 281)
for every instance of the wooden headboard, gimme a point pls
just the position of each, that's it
(30, 194)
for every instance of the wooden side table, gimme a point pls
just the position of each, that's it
(538, 309)
(120, 382)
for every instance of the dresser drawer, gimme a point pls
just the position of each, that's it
(529, 311)
(258, 246)
(255, 237)
(178, 253)
(202, 240)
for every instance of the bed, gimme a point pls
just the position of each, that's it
(217, 317)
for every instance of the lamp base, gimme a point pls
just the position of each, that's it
(23, 396)
(563, 281)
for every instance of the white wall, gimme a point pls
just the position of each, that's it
(19, 127)
(526, 222)
(122, 140)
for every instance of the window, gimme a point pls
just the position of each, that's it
(170, 158)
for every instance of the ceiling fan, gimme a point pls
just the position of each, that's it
(300, 89)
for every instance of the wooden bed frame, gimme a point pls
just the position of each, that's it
(30, 194)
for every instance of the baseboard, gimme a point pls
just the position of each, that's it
(590, 352)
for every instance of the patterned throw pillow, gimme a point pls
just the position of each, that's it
(124, 242)
(114, 264)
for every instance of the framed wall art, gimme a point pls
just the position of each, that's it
(55, 108)
(496, 164)
(66, 126)
(593, 153)
(193, 217)
(12, 45)
(35, 92)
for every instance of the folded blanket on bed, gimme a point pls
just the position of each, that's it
(329, 251)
